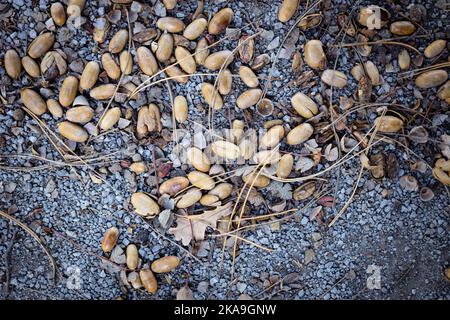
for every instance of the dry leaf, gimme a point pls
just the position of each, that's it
(331, 154)
(185, 294)
(304, 164)
(194, 226)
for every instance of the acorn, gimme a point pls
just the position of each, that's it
(33, 101)
(118, 41)
(58, 13)
(165, 47)
(225, 82)
(299, 134)
(185, 60)
(211, 96)
(31, 67)
(170, 24)
(218, 60)
(195, 29)
(89, 76)
(144, 205)
(12, 64)
(39, 46)
(146, 61)
(220, 21)
(111, 117)
(68, 91)
(287, 10)
(110, 66)
(110, 239)
(72, 131)
(248, 98)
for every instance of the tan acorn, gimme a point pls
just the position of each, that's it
(195, 29)
(89, 76)
(165, 47)
(402, 28)
(175, 73)
(201, 180)
(287, 10)
(272, 137)
(435, 48)
(144, 205)
(404, 60)
(444, 91)
(75, 8)
(173, 185)
(211, 96)
(110, 239)
(31, 67)
(103, 92)
(132, 255)
(248, 98)
(180, 109)
(170, 24)
(148, 280)
(111, 117)
(72, 131)
(209, 200)
(254, 180)
(225, 149)
(165, 264)
(58, 13)
(372, 72)
(334, 78)
(185, 60)
(314, 56)
(388, 124)
(138, 167)
(225, 82)
(299, 134)
(169, 4)
(198, 159)
(248, 77)
(146, 61)
(218, 60)
(110, 66)
(201, 51)
(126, 62)
(81, 114)
(12, 64)
(304, 105)
(220, 21)
(191, 197)
(118, 41)
(222, 190)
(54, 108)
(33, 101)
(285, 166)
(267, 157)
(68, 91)
(430, 79)
(39, 46)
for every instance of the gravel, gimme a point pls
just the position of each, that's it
(385, 230)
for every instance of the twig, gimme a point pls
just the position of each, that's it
(35, 237)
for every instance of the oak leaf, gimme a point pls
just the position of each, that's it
(194, 226)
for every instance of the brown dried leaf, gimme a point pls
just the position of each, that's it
(193, 227)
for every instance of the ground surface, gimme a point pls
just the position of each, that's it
(385, 230)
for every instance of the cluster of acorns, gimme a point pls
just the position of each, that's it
(144, 277)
